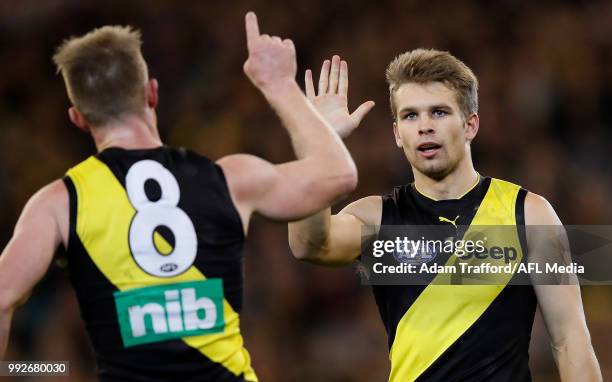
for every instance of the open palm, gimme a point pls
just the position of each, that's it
(331, 100)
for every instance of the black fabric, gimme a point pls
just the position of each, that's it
(495, 347)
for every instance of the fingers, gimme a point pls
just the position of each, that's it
(334, 77)
(252, 28)
(334, 74)
(343, 81)
(289, 44)
(361, 111)
(324, 77)
(252, 32)
(309, 86)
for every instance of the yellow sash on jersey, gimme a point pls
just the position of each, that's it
(442, 313)
(104, 214)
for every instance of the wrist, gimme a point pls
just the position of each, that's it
(280, 91)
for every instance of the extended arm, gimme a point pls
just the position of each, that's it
(323, 171)
(336, 240)
(561, 305)
(26, 258)
(323, 238)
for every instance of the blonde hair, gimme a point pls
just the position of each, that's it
(429, 65)
(104, 73)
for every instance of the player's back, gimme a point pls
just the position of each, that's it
(155, 257)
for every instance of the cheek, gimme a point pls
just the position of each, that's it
(457, 131)
(455, 138)
(404, 133)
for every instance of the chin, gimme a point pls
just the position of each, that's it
(435, 170)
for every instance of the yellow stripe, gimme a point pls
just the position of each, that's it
(104, 215)
(442, 313)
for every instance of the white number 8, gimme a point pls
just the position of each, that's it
(150, 215)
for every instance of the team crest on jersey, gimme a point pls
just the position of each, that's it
(415, 252)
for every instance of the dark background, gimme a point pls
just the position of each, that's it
(545, 71)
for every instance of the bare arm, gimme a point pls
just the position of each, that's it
(323, 238)
(561, 305)
(336, 240)
(323, 171)
(25, 260)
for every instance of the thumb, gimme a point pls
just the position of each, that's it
(361, 111)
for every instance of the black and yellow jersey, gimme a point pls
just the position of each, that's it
(155, 257)
(458, 332)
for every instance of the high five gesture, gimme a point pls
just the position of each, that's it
(323, 171)
(332, 97)
(271, 61)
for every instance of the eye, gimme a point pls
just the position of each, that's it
(438, 113)
(409, 115)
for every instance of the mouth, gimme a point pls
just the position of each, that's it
(429, 149)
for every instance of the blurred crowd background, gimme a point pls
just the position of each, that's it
(545, 71)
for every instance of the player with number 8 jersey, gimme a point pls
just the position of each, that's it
(154, 235)
(155, 256)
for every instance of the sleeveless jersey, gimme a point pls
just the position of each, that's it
(155, 258)
(458, 332)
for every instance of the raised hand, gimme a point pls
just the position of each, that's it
(332, 98)
(271, 62)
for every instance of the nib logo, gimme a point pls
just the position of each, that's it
(170, 311)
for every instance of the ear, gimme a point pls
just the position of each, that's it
(472, 124)
(78, 119)
(151, 89)
(398, 138)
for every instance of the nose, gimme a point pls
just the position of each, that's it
(426, 126)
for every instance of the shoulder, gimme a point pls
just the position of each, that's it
(240, 163)
(502, 186)
(368, 210)
(538, 211)
(50, 196)
(244, 172)
(50, 205)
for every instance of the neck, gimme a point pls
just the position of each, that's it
(452, 186)
(131, 133)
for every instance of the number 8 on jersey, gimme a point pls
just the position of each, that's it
(151, 215)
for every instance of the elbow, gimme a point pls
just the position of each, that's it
(346, 182)
(6, 307)
(352, 180)
(302, 252)
(303, 247)
(331, 176)
(342, 171)
(9, 301)
(328, 188)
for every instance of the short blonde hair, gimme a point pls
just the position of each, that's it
(429, 65)
(104, 73)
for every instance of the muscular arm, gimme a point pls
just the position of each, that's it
(323, 171)
(25, 260)
(335, 240)
(561, 305)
